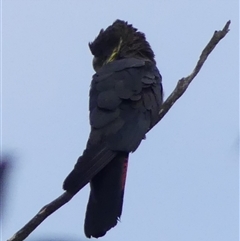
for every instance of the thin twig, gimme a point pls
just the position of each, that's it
(176, 94)
(184, 82)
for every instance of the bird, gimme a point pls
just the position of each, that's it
(125, 97)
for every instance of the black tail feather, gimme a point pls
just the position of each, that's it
(106, 198)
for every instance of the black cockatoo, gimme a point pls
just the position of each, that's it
(125, 99)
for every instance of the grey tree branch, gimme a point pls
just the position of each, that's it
(183, 83)
(175, 95)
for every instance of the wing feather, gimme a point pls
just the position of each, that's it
(125, 101)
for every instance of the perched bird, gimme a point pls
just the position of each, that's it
(125, 98)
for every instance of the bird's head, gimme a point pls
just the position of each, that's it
(120, 40)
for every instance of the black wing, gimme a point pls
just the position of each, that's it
(125, 99)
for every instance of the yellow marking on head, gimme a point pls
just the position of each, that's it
(114, 53)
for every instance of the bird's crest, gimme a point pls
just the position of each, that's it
(120, 40)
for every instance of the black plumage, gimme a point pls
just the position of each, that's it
(125, 98)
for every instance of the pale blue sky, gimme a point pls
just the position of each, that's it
(182, 182)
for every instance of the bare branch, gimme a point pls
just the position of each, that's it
(41, 216)
(184, 82)
(176, 94)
